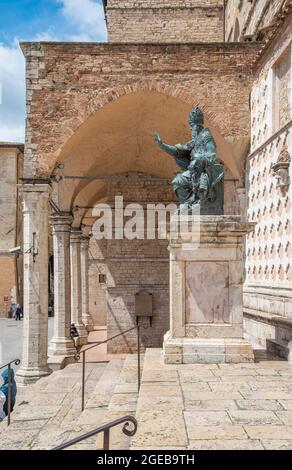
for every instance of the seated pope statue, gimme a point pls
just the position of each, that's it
(201, 181)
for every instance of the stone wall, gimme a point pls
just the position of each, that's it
(268, 290)
(165, 21)
(247, 18)
(131, 266)
(10, 222)
(68, 83)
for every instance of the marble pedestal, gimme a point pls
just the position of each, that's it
(206, 281)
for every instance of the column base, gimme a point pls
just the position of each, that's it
(26, 376)
(88, 323)
(206, 350)
(61, 353)
(83, 334)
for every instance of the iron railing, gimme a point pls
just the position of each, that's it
(105, 428)
(8, 365)
(83, 353)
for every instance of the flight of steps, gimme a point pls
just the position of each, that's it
(49, 412)
(115, 396)
(279, 348)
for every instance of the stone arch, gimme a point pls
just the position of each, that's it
(118, 137)
(171, 90)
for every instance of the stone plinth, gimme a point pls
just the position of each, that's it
(206, 281)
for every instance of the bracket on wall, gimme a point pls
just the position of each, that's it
(281, 170)
(33, 250)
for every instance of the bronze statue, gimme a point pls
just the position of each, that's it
(201, 182)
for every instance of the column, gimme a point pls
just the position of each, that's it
(35, 283)
(62, 349)
(76, 297)
(86, 317)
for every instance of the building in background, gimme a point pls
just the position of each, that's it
(11, 167)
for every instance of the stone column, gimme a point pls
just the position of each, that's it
(62, 348)
(35, 283)
(76, 296)
(86, 317)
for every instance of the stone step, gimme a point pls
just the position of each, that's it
(46, 412)
(123, 402)
(97, 406)
(279, 348)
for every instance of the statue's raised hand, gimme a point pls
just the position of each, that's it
(157, 139)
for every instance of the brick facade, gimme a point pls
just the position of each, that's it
(69, 83)
(165, 21)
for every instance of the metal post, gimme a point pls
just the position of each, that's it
(83, 380)
(106, 439)
(9, 395)
(139, 358)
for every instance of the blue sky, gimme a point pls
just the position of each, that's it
(37, 20)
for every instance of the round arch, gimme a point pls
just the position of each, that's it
(118, 138)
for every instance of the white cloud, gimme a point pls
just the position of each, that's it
(12, 99)
(84, 21)
(87, 16)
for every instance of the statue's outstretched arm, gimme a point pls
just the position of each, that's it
(170, 149)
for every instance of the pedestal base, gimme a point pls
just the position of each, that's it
(27, 376)
(206, 350)
(61, 353)
(83, 335)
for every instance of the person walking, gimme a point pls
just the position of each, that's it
(18, 313)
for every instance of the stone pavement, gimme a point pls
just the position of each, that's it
(189, 406)
(209, 406)
(11, 338)
(47, 412)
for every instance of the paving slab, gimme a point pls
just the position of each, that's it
(254, 417)
(219, 444)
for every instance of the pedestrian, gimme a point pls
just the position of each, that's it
(18, 312)
(74, 332)
(4, 390)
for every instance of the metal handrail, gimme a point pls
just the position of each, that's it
(105, 428)
(16, 362)
(78, 355)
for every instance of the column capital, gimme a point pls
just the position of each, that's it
(32, 186)
(75, 235)
(61, 221)
(85, 240)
